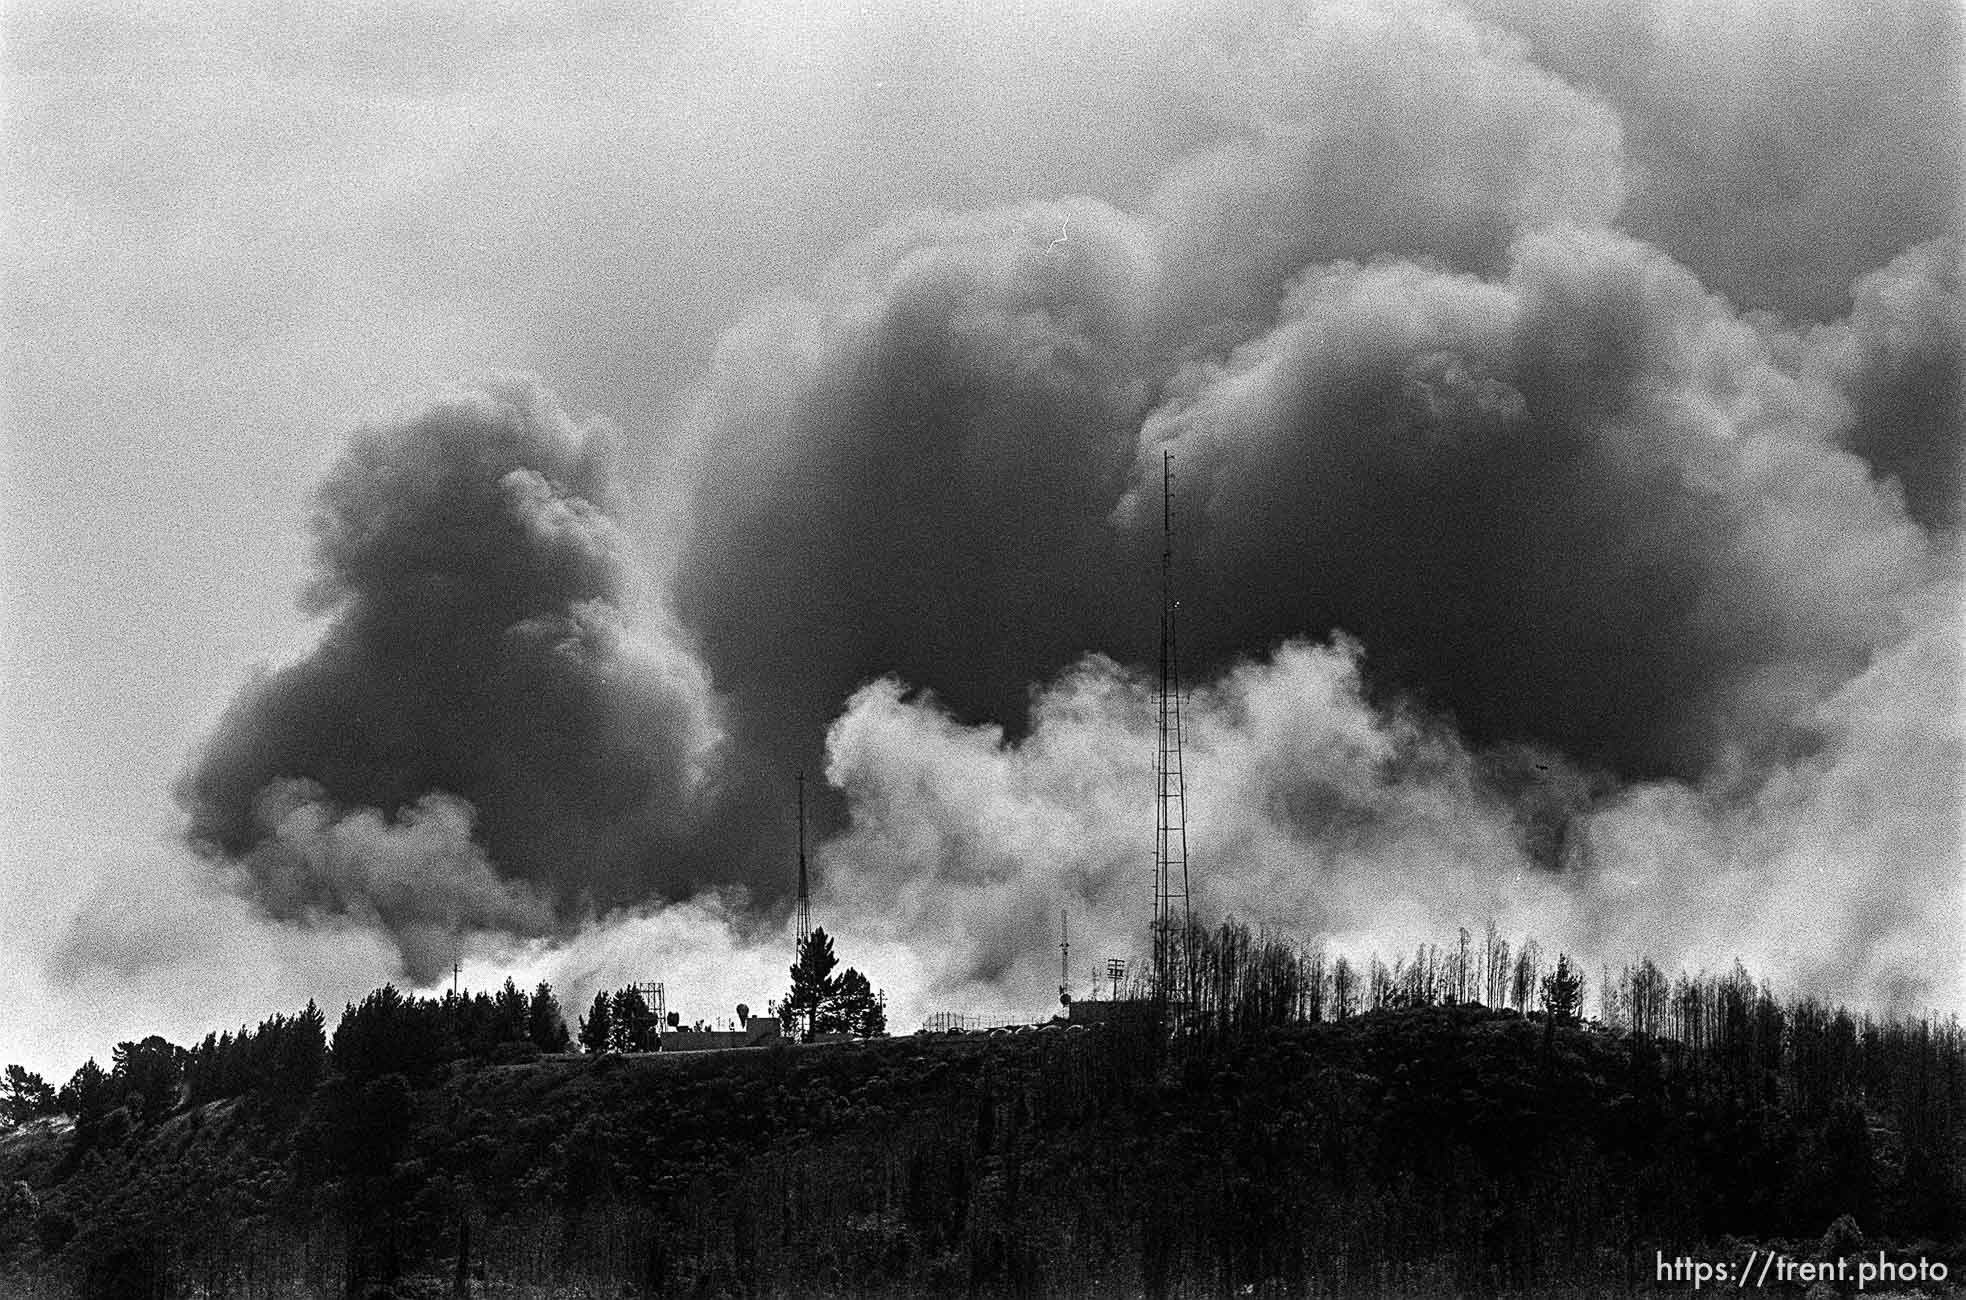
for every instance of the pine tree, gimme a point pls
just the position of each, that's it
(87, 1096)
(385, 1033)
(1563, 992)
(511, 1014)
(26, 1096)
(597, 1026)
(634, 1022)
(546, 1024)
(300, 1051)
(853, 1008)
(227, 1078)
(151, 1070)
(813, 984)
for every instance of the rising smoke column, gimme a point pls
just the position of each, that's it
(480, 740)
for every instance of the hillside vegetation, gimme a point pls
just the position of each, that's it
(1267, 1139)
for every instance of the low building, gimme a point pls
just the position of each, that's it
(752, 1031)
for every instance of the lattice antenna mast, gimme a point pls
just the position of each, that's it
(1171, 914)
(805, 896)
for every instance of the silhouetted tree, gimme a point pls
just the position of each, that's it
(546, 1024)
(1522, 982)
(1563, 999)
(597, 1026)
(853, 1008)
(1647, 992)
(511, 1014)
(813, 983)
(1344, 988)
(87, 1096)
(302, 1052)
(1563, 992)
(632, 1021)
(152, 1071)
(283, 1058)
(387, 1033)
(25, 1096)
(1463, 974)
(1495, 967)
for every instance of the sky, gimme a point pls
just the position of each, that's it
(460, 463)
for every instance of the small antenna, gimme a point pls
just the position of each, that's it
(805, 897)
(1064, 961)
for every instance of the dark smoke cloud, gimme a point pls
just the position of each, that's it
(1626, 590)
(1525, 569)
(1583, 506)
(477, 657)
(915, 470)
(912, 475)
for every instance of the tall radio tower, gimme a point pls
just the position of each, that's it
(805, 898)
(1171, 797)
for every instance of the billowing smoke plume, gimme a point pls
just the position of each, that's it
(1517, 489)
(481, 736)
(417, 873)
(1369, 828)
(1583, 505)
(1317, 814)
(1526, 573)
(1897, 362)
(1368, 130)
(1625, 547)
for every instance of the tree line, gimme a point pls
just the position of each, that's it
(391, 1032)
(284, 1056)
(620, 1021)
(817, 1002)
(1270, 1126)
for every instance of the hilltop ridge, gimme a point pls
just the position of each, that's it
(1407, 1151)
